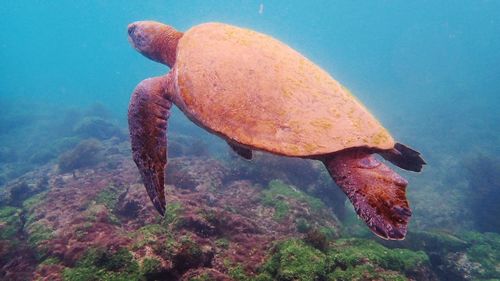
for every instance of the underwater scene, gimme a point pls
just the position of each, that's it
(210, 140)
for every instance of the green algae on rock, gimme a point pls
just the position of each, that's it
(100, 264)
(226, 233)
(39, 234)
(465, 256)
(276, 193)
(295, 260)
(10, 222)
(174, 210)
(151, 268)
(484, 250)
(277, 187)
(344, 259)
(33, 200)
(348, 253)
(109, 196)
(488, 240)
(365, 272)
(147, 235)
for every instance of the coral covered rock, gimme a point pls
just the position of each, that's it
(467, 256)
(195, 173)
(221, 223)
(15, 192)
(184, 145)
(353, 259)
(86, 154)
(308, 175)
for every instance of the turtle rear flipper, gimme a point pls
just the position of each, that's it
(148, 114)
(404, 157)
(377, 193)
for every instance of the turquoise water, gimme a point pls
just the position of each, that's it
(425, 67)
(428, 70)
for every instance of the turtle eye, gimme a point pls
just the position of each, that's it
(131, 29)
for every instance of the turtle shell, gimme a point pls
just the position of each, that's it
(254, 90)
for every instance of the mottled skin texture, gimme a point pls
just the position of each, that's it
(155, 41)
(377, 193)
(259, 94)
(148, 115)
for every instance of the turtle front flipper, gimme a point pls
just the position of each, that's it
(377, 193)
(148, 113)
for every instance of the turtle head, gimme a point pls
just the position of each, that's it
(154, 40)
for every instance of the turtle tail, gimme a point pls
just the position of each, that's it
(404, 157)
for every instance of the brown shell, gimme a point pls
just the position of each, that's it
(254, 90)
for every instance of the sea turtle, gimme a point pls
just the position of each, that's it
(257, 93)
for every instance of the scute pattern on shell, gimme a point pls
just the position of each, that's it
(256, 91)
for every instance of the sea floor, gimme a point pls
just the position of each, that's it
(84, 215)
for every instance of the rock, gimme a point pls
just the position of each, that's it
(196, 224)
(430, 242)
(183, 146)
(98, 128)
(135, 205)
(344, 259)
(86, 154)
(468, 256)
(265, 167)
(215, 226)
(17, 191)
(49, 272)
(205, 274)
(458, 267)
(308, 175)
(20, 266)
(195, 173)
(192, 255)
